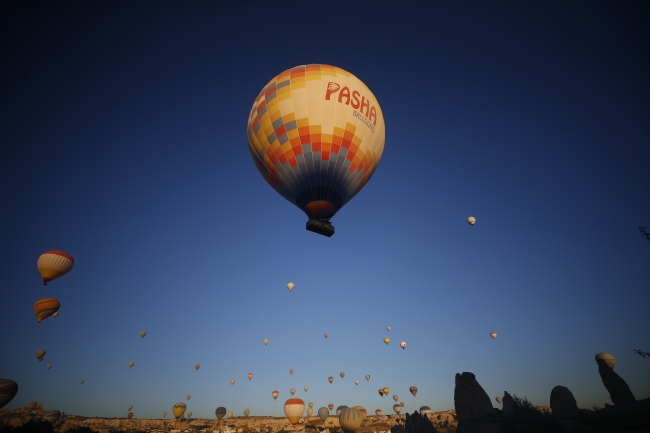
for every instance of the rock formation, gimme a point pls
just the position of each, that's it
(563, 404)
(618, 390)
(473, 406)
(509, 405)
(417, 423)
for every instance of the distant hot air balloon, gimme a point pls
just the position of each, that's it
(331, 406)
(425, 410)
(493, 335)
(342, 375)
(388, 328)
(323, 413)
(247, 412)
(250, 376)
(56, 314)
(311, 404)
(331, 379)
(395, 397)
(8, 390)
(266, 341)
(131, 364)
(49, 366)
(607, 357)
(275, 394)
(326, 335)
(40, 354)
(397, 408)
(188, 397)
(46, 307)
(350, 419)
(364, 413)
(306, 388)
(229, 414)
(310, 411)
(129, 408)
(356, 382)
(413, 390)
(340, 408)
(378, 412)
(293, 409)
(232, 381)
(81, 383)
(54, 264)
(386, 340)
(51, 416)
(403, 345)
(401, 403)
(386, 390)
(220, 412)
(498, 399)
(189, 415)
(381, 392)
(142, 334)
(471, 220)
(291, 371)
(164, 414)
(368, 377)
(129, 415)
(317, 173)
(196, 367)
(290, 286)
(179, 410)
(292, 391)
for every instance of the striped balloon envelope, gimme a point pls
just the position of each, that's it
(350, 419)
(45, 307)
(364, 413)
(316, 134)
(8, 390)
(340, 409)
(378, 412)
(424, 410)
(54, 264)
(293, 409)
(397, 408)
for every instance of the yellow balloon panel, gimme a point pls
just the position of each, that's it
(316, 134)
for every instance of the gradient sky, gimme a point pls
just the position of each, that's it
(124, 144)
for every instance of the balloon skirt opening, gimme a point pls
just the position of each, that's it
(322, 227)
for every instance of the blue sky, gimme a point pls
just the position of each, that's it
(124, 132)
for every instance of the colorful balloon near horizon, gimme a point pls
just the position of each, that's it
(179, 410)
(229, 414)
(220, 412)
(290, 286)
(397, 408)
(196, 367)
(316, 134)
(350, 419)
(364, 413)
(378, 412)
(331, 406)
(310, 411)
(54, 264)
(293, 409)
(164, 414)
(471, 220)
(8, 390)
(493, 335)
(129, 408)
(403, 345)
(142, 334)
(323, 413)
(607, 357)
(386, 340)
(40, 354)
(340, 408)
(129, 415)
(250, 376)
(46, 307)
(331, 379)
(247, 412)
(266, 341)
(498, 399)
(414, 390)
(189, 415)
(424, 410)
(275, 394)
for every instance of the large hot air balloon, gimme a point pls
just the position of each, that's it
(306, 388)
(323, 413)
(142, 334)
(326, 335)
(386, 340)
(51, 416)
(291, 371)
(414, 390)
(350, 419)
(424, 410)
(331, 379)
(356, 382)
(364, 413)
(188, 397)
(220, 412)
(54, 264)
(129, 415)
(292, 391)
(196, 367)
(386, 390)
(229, 414)
(164, 414)
(293, 409)
(471, 220)
(131, 364)
(397, 408)
(331, 406)
(403, 345)
(340, 408)
(290, 286)
(275, 394)
(189, 415)
(40, 354)
(179, 410)
(232, 381)
(247, 412)
(266, 341)
(395, 397)
(367, 377)
(498, 399)
(129, 408)
(607, 357)
(250, 376)
(8, 390)
(310, 411)
(342, 375)
(316, 134)
(493, 335)
(378, 412)
(46, 307)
